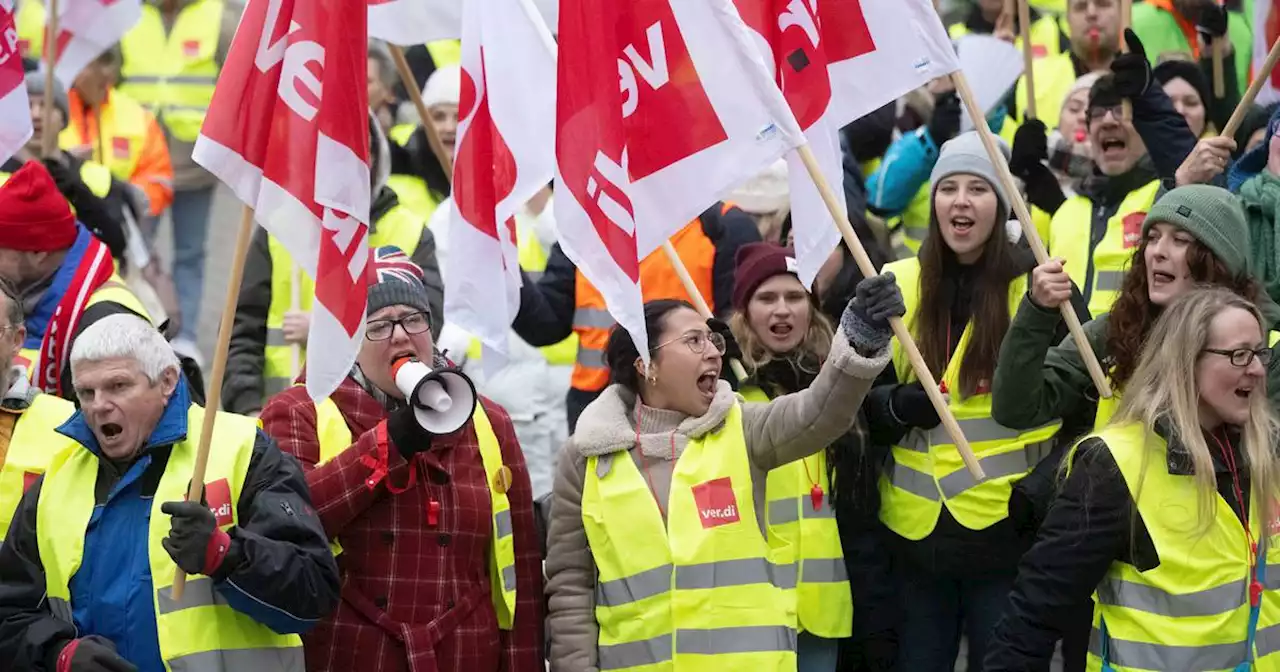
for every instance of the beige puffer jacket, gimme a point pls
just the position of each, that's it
(781, 431)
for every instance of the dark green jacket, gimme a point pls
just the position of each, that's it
(1037, 381)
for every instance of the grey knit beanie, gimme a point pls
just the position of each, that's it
(964, 154)
(1213, 215)
(396, 281)
(35, 87)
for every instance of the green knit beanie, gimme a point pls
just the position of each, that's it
(1213, 215)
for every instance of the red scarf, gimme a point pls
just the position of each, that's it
(95, 269)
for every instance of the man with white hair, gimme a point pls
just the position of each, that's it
(87, 567)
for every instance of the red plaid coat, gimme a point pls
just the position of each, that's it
(415, 597)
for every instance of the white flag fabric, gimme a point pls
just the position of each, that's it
(411, 22)
(656, 121)
(1266, 30)
(15, 111)
(86, 29)
(506, 153)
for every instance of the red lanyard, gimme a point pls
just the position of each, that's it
(1228, 456)
(649, 479)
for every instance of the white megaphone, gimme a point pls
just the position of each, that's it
(443, 399)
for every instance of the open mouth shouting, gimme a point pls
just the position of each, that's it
(707, 382)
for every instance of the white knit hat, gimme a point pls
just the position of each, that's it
(764, 193)
(444, 86)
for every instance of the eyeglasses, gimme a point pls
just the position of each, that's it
(380, 330)
(697, 341)
(1097, 113)
(1242, 357)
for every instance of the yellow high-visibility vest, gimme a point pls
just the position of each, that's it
(1191, 611)
(703, 590)
(926, 472)
(398, 227)
(173, 73)
(202, 631)
(335, 436)
(411, 190)
(1046, 38)
(1099, 270)
(824, 603)
(1054, 76)
(122, 118)
(30, 450)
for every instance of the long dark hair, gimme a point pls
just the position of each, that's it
(1133, 314)
(620, 353)
(990, 306)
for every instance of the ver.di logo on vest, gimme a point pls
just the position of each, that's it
(716, 502)
(218, 498)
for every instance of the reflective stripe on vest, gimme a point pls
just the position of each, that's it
(1191, 611)
(173, 72)
(398, 227)
(121, 137)
(824, 603)
(334, 437)
(1070, 236)
(701, 590)
(925, 472)
(29, 452)
(201, 633)
(658, 280)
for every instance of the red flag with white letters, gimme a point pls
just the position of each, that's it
(506, 153)
(15, 111)
(656, 121)
(288, 131)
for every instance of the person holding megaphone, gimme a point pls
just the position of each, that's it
(424, 493)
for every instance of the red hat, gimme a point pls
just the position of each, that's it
(34, 215)
(756, 262)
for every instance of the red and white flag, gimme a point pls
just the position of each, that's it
(411, 22)
(835, 61)
(15, 111)
(506, 153)
(87, 28)
(656, 120)
(1266, 30)
(288, 131)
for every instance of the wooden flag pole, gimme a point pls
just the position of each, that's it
(1126, 20)
(899, 327)
(1029, 230)
(1024, 29)
(1259, 78)
(214, 400)
(97, 123)
(1219, 85)
(48, 139)
(415, 94)
(699, 302)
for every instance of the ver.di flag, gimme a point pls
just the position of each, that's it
(412, 22)
(506, 153)
(15, 111)
(288, 131)
(656, 119)
(86, 29)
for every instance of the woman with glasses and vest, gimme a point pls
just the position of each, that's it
(658, 550)
(434, 532)
(784, 339)
(956, 541)
(1167, 513)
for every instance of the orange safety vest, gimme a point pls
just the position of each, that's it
(658, 280)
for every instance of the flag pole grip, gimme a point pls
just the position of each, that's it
(1024, 28)
(899, 327)
(1259, 79)
(48, 140)
(214, 400)
(1028, 229)
(699, 303)
(415, 94)
(1219, 83)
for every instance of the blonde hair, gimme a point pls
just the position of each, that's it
(1158, 391)
(816, 341)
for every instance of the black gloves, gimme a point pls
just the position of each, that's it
(195, 543)
(911, 406)
(403, 429)
(66, 180)
(731, 348)
(1030, 151)
(945, 122)
(91, 654)
(865, 321)
(1212, 21)
(1132, 70)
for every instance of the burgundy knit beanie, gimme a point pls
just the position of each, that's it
(756, 262)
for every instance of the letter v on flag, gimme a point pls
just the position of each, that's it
(506, 153)
(288, 131)
(656, 120)
(15, 111)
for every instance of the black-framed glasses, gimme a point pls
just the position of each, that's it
(697, 341)
(1242, 357)
(380, 330)
(1097, 113)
